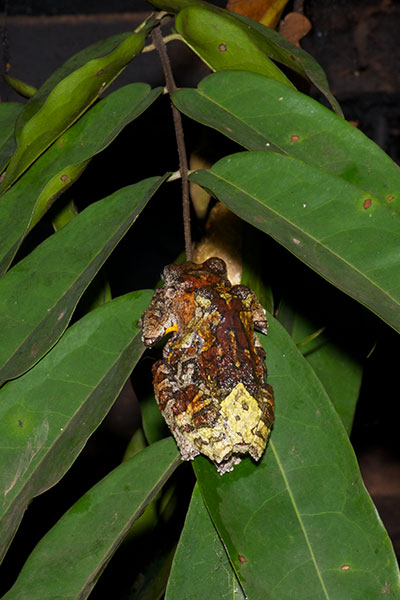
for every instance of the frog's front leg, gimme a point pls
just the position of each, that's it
(172, 402)
(251, 302)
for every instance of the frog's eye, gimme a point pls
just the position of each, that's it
(215, 265)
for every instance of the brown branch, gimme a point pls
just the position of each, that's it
(180, 141)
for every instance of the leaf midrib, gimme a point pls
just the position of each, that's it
(297, 512)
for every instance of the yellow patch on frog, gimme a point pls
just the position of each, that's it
(173, 327)
(238, 430)
(203, 302)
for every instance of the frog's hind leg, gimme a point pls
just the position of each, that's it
(172, 403)
(263, 428)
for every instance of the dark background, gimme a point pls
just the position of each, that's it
(356, 42)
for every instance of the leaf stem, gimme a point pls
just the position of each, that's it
(180, 140)
(168, 38)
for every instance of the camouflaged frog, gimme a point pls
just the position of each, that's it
(211, 385)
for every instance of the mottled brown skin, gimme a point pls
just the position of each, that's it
(211, 385)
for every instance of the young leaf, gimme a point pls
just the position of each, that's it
(23, 89)
(343, 233)
(33, 194)
(71, 557)
(47, 415)
(201, 567)
(66, 101)
(39, 294)
(263, 114)
(304, 503)
(223, 42)
(9, 112)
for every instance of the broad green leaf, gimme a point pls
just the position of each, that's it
(33, 194)
(47, 415)
(300, 524)
(342, 232)
(70, 558)
(39, 294)
(67, 100)
(223, 42)
(201, 568)
(262, 114)
(338, 369)
(9, 112)
(99, 292)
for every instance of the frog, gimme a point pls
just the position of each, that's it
(211, 383)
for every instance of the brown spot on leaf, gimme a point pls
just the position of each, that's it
(64, 177)
(294, 138)
(367, 203)
(100, 72)
(390, 198)
(280, 99)
(260, 219)
(20, 423)
(345, 568)
(242, 558)
(61, 144)
(222, 48)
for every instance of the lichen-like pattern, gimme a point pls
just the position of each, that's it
(211, 385)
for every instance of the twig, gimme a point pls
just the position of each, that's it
(180, 141)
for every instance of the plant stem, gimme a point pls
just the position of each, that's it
(180, 141)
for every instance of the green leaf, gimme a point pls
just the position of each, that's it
(338, 369)
(68, 561)
(223, 42)
(54, 108)
(39, 294)
(201, 568)
(23, 89)
(265, 40)
(297, 59)
(262, 114)
(29, 199)
(154, 425)
(47, 415)
(304, 503)
(343, 233)
(9, 112)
